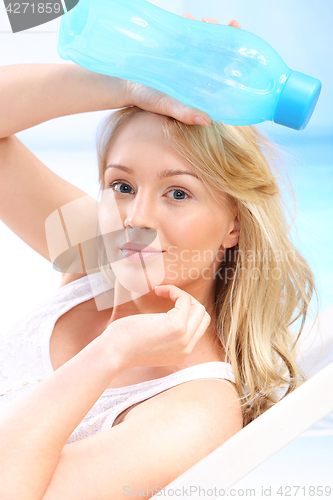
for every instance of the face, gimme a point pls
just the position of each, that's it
(170, 212)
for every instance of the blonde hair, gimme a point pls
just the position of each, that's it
(263, 284)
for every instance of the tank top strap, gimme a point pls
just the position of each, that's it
(83, 288)
(131, 395)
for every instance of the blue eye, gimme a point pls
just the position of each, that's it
(128, 190)
(113, 184)
(179, 191)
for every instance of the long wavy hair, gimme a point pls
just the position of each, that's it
(263, 284)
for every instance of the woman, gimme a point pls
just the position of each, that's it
(221, 314)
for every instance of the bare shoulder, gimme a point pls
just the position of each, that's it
(162, 438)
(202, 402)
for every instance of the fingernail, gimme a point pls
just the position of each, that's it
(201, 121)
(210, 20)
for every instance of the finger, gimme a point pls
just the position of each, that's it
(189, 16)
(193, 316)
(234, 24)
(210, 20)
(187, 312)
(171, 107)
(180, 313)
(200, 331)
(197, 316)
(173, 292)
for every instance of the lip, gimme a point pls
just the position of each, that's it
(135, 247)
(136, 252)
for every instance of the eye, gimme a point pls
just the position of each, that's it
(179, 192)
(116, 183)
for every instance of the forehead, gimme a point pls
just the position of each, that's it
(143, 132)
(141, 142)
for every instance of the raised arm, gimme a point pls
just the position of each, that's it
(33, 93)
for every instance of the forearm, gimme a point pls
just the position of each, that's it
(36, 428)
(34, 93)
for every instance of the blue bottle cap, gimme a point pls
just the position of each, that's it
(297, 101)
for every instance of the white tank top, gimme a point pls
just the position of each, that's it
(25, 360)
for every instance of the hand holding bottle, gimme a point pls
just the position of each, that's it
(157, 102)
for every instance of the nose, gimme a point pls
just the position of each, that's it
(141, 212)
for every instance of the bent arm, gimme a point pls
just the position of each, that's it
(35, 464)
(34, 93)
(31, 94)
(166, 435)
(34, 430)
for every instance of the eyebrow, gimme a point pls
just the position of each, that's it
(163, 175)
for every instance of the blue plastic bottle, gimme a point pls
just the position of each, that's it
(233, 75)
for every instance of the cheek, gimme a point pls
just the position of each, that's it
(203, 228)
(108, 214)
(205, 237)
(181, 229)
(195, 239)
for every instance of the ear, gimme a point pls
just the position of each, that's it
(232, 238)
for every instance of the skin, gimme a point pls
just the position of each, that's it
(192, 228)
